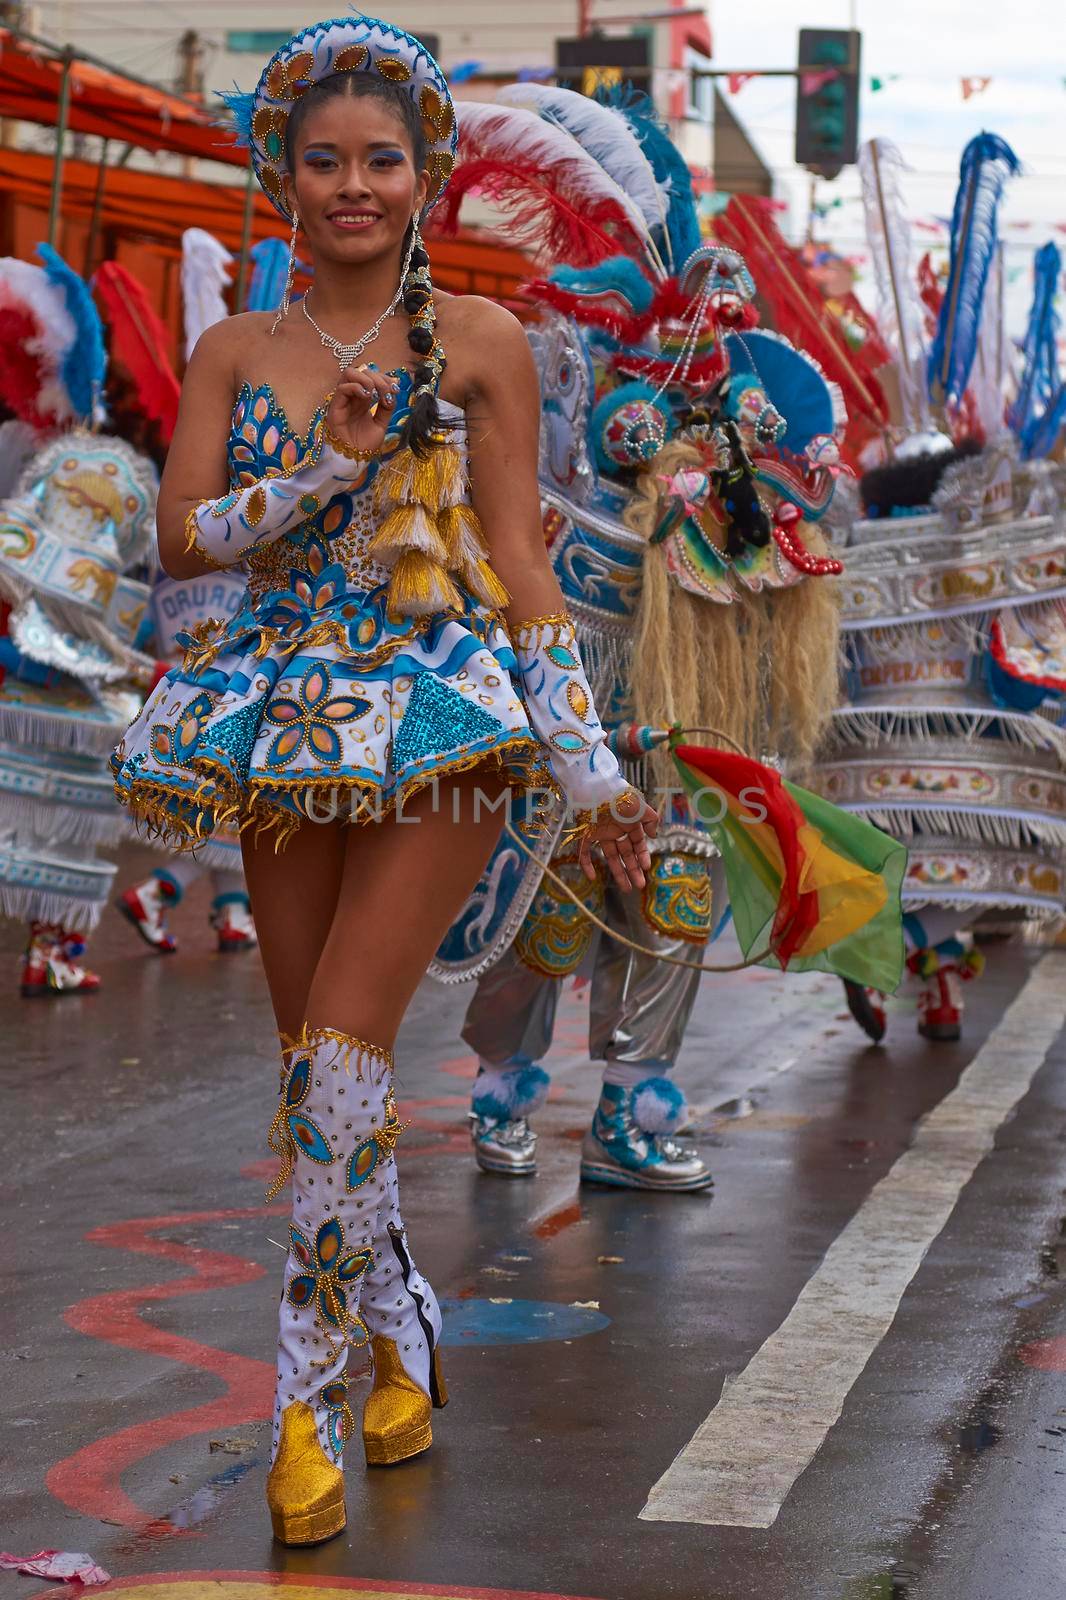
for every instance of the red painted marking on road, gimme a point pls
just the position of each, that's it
(556, 1221)
(89, 1481)
(1046, 1355)
(312, 1581)
(459, 1066)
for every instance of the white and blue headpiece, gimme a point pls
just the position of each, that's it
(348, 44)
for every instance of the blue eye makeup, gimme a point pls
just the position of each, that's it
(391, 157)
(312, 154)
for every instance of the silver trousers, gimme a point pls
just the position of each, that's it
(639, 1007)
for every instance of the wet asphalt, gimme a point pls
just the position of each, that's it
(590, 1331)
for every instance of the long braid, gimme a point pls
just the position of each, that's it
(422, 430)
(429, 534)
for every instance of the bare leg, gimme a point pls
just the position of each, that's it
(400, 885)
(293, 893)
(403, 884)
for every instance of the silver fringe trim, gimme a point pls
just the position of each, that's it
(23, 726)
(870, 725)
(40, 905)
(980, 827)
(57, 822)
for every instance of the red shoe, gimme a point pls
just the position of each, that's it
(867, 1006)
(145, 906)
(50, 965)
(940, 1004)
(232, 922)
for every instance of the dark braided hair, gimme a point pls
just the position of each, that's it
(422, 428)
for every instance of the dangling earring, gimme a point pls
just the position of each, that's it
(283, 309)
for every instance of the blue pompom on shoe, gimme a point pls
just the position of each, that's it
(512, 1092)
(659, 1106)
(503, 1099)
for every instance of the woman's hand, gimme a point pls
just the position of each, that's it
(361, 407)
(623, 841)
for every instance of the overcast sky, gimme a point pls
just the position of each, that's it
(931, 44)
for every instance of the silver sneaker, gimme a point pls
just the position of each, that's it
(617, 1151)
(506, 1145)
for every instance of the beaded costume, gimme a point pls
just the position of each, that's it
(952, 608)
(75, 518)
(368, 660)
(316, 696)
(686, 460)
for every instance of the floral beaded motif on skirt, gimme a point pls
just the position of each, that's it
(316, 700)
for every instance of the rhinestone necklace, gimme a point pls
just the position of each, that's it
(347, 353)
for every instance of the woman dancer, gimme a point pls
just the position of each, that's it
(368, 680)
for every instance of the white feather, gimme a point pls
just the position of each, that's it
(509, 133)
(204, 277)
(899, 307)
(604, 134)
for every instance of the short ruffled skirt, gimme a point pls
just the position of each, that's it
(287, 712)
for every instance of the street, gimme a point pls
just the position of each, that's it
(644, 1387)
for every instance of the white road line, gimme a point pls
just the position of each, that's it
(772, 1419)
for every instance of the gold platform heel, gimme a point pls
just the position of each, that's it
(396, 1417)
(305, 1492)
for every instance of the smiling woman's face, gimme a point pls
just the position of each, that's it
(354, 181)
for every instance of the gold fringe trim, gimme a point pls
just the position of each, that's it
(349, 1046)
(151, 803)
(538, 632)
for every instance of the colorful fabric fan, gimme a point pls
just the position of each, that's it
(811, 887)
(138, 343)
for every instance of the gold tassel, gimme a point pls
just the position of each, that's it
(408, 527)
(479, 578)
(419, 587)
(460, 528)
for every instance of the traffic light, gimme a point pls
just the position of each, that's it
(597, 62)
(827, 116)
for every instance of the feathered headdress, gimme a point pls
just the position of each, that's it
(52, 356)
(205, 264)
(899, 308)
(138, 343)
(987, 162)
(1038, 414)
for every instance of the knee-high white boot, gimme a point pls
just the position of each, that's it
(332, 1132)
(404, 1319)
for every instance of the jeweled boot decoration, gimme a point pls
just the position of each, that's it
(333, 1105)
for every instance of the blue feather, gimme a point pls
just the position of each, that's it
(619, 273)
(242, 106)
(270, 269)
(669, 166)
(987, 162)
(85, 363)
(1040, 386)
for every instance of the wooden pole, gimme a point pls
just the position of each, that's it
(246, 240)
(62, 118)
(98, 207)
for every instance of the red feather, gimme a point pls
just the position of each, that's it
(541, 216)
(21, 374)
(597, 313)
(800, 313)
(138, 343)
